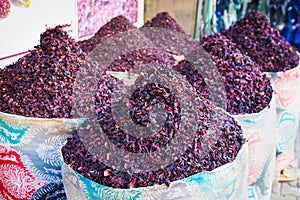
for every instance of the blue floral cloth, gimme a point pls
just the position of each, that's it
(30, 152)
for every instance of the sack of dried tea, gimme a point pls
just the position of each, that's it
(219, 173)
(286, 85)
(35, 117)
(250, 101)
(262, 144)
(225, 182)
(255, 37)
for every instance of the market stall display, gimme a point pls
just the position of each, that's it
(148, 112)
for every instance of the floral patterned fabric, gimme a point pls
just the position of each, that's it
(16, 182)
(30, 153)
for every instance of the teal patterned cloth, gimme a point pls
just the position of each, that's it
(226, 182)
(11, 135)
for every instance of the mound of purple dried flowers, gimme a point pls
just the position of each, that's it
(140, 103)
(256, 38)
(142, 100)
(224, 150)
(192, 161)
(114, 26)
(164, 20)
(40, 83)
(220, 48)
(247, 90)
(145, 52)
(165, 33)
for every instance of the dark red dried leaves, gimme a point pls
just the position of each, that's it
(256, 38)
(164, 20)
(247, 90)
(40, 83)
(114, 26)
